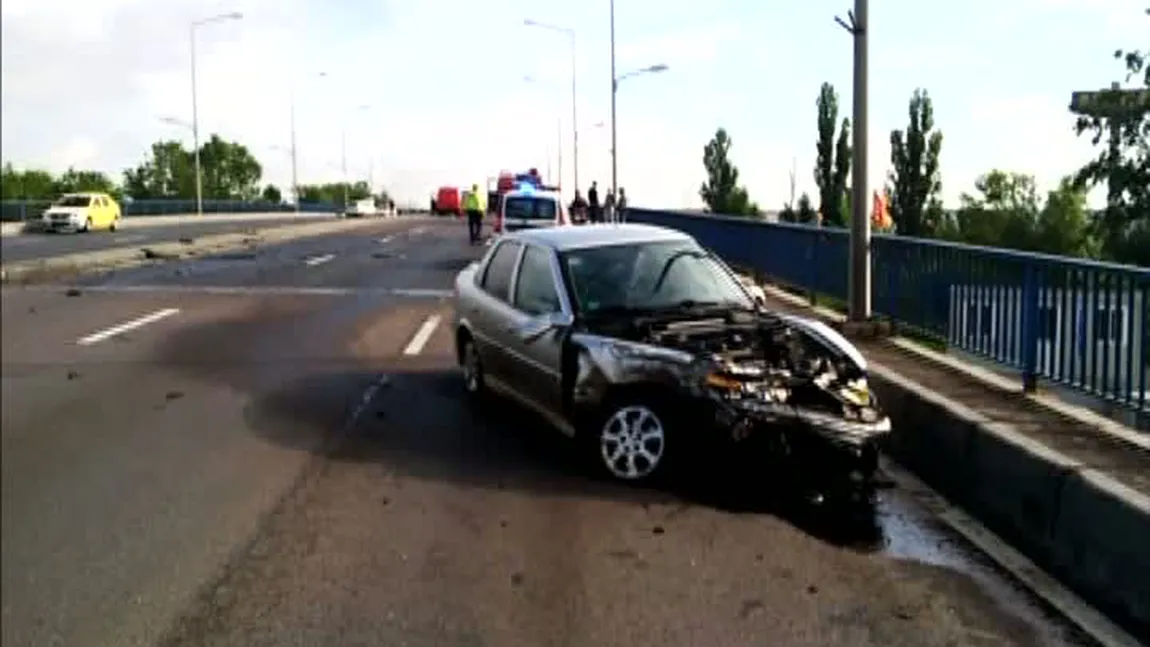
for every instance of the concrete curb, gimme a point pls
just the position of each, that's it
(1081, 525)
(143, 222)
(123, 257)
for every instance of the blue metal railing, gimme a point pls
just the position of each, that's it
(19, 210)
(1078, 323)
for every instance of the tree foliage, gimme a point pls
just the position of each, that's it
(41, 185)
(915, 178)
(1006, 212)
(1123, 164)
(271, 193)
(333, 192)
(833, 161)
(806, 211)
(228, 172)
(721, 192)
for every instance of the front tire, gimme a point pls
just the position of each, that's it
(87, 226)
(114, 225)
(632, 441)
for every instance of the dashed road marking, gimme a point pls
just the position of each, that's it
(419, 340)
(417, 231)
(385, 240)
(120, 329)
(318, 260)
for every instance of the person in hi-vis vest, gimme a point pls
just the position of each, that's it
(473, 207)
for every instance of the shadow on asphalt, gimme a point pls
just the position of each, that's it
(419, 425)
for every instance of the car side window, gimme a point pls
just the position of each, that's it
(497, 276)
(535, 290)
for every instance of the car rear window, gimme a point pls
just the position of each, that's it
(73, 201)
(521, 208)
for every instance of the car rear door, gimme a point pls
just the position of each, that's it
(491, 312)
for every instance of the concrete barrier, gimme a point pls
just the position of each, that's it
(1082, 525)
(133, 222)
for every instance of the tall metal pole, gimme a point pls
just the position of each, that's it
(559, 151)
(574, 114)
(294, 167)
(614, 91)
(860, 270)
(196, 127)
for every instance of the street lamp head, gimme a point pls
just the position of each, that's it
(660, 67)
(527, 22)
(235, 15)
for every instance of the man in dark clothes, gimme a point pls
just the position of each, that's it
(593, 202)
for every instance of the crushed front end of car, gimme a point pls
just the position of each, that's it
(790, 395)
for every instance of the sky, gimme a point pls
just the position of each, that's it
(423, 93)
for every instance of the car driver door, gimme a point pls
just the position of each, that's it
(539, 328)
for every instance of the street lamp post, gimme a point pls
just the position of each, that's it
(570, 33)
(294, 167)
(195, 103)
(615, 80)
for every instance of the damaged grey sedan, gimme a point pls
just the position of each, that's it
(643, 346)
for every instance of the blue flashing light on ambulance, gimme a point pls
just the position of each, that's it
(522, 200)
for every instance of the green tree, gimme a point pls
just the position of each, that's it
(1064, 224)
(73, 181)
(806, 212)
(721, 192)
(228, 171)
(169, 172)
(788, 214)
(833, 161)
(1122, 131)
(332, 193)
(915, 179)
(26, 185)
(1004, 212)
(271, 193)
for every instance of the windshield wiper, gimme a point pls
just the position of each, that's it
(695, 253)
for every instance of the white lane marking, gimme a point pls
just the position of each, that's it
(101, 335)
(318, 260)
(415, 346)
(417, 231)
(135, 238)
(1074, 608)
(385, 240)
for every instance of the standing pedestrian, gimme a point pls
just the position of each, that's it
(609, 207)
(472, 204)
(593, 202)
(621, 206)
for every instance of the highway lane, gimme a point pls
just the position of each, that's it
(278, 462)
(33, 246)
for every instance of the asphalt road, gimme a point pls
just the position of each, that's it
(26, 247)
(252, 450)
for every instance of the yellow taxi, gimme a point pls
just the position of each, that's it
(83, 212)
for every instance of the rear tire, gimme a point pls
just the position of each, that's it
(472, 369)
(87, 226)
(115, 224)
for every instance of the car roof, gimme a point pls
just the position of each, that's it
(84, 194)
(565, 238)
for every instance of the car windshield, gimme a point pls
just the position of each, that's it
(649, 276)
(520, 208)
(73, 201)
